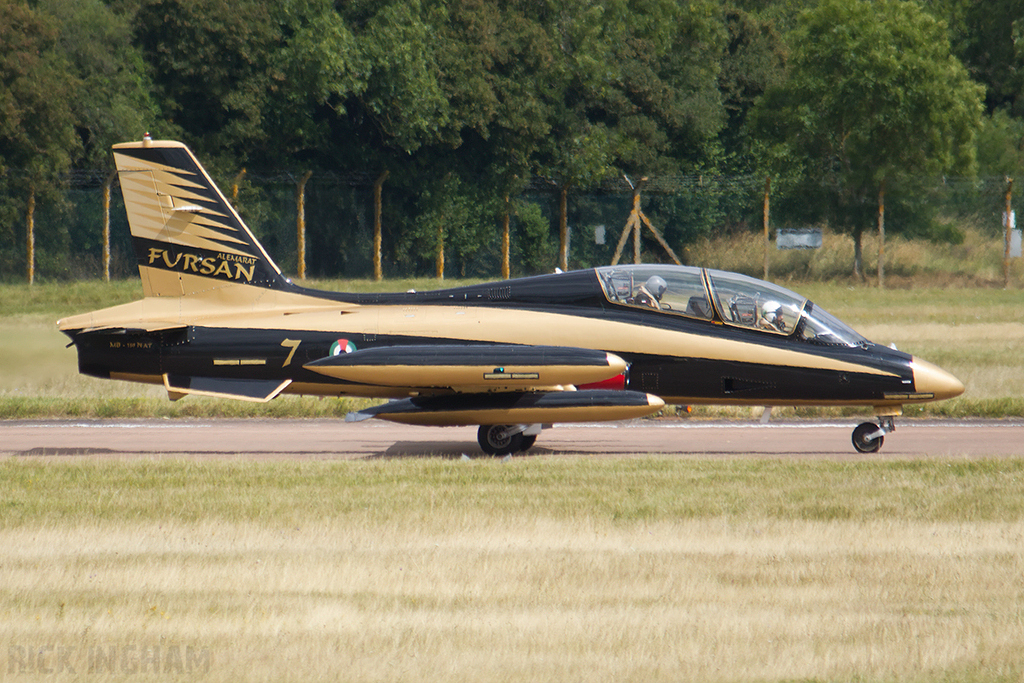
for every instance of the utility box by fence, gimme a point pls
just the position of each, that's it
(1012, 234)
(798, 238)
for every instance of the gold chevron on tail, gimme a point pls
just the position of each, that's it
(188, 239)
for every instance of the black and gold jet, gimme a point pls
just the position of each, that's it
(219, 319)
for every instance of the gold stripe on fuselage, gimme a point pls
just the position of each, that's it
(231, 305)
(297, 313)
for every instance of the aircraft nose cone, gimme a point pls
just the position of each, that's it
(931, 379)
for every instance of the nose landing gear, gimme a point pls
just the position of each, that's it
(868, 437)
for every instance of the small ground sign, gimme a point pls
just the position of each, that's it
(798, 238)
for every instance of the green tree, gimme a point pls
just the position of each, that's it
(874, 95)
(753, 60)
(313, 72)
(210, 64)
(112, 99)
(632, 89)
(403, 98)
(37, 90)
(485, 93)
(1001, 146)
(989, 38)
(576, 92)
(37, 127)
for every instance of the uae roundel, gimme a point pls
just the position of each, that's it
(342, 346)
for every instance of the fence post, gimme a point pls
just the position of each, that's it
(106, 225)
(234, 187)
(30, 227)
(881, 235)
(563, 228)
(440, 250)
(767, 241)
(300, 221)
(636, 223)
(505, 265)
(1006, 236)
(378, 271)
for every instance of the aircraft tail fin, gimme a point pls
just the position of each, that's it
(188, 238)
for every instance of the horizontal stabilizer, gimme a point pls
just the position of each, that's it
(255, 390)
(515, 407)
(479, 367)
(136, 327)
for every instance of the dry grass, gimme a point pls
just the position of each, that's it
(535, 600)
(538, 570)
(977, 262)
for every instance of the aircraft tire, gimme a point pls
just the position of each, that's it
(494, 440)
(862, 443)
(528, 442)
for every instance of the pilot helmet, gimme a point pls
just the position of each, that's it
(656, 285)
(771, 311)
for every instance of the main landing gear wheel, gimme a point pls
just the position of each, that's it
(498, 439)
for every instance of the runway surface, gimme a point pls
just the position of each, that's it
(60, 440)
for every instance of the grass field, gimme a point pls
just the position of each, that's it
(645, 570)
(535, 569)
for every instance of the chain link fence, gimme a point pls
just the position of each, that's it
(339, 219)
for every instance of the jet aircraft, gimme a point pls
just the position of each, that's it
(218, 318)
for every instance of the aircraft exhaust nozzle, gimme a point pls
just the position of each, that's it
(931, 379)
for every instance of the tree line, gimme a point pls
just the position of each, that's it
(469, 105)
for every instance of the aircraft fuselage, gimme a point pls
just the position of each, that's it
(682, 360)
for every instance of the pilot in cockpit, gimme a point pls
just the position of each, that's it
(770, 317)
(650, 292)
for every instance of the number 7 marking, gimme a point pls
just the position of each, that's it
(294, 345)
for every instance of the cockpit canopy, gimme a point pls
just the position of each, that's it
(730, 298)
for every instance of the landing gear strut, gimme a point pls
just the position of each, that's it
(506, 439)
(868, 437)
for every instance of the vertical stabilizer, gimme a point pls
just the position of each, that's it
(187, 237)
